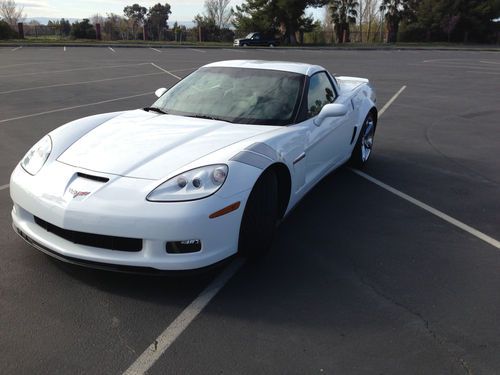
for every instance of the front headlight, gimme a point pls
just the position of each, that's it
(191, 185)
(34, 160)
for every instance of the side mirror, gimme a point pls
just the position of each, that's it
(330, 110)
(160, 92)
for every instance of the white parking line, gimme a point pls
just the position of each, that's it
(16, 65)
(154, 49)
(112, 50)
(166, 71)
(432, 210)
(78, 83)
(234, 50)
(15, 49)
(391, 100)
(197, 50)
(480, 72)
(75, 106)
(3, 187)
(64, 48)
(73, 70)
(489, 62)
(174, 330)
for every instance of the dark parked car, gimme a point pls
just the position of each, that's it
(256, 39)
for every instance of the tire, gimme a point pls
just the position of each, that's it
(260, 217)
(245, 45)
(364, 144)
(271, 45)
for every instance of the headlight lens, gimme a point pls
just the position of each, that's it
(34, 160)
(191, 185)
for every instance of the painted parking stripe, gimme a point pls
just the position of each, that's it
(484, 237)
(78, 83)
(74, 70)
(3, 187)
(234, 50)
(15, 49)
(197, 50)
(64, 48)
(391, 100)
(166, 71)
(154, 49)
(73, 107)
(179, 325)
(112, 50)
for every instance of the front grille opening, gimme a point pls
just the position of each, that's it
(94, 240)
(182, 247)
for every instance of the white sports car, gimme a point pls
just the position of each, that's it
(205, 172)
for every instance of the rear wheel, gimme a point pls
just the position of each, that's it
(260, 216)
(364, 145)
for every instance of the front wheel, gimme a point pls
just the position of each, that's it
(364, 145)
(260, 217)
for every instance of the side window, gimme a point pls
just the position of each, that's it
(320, 93)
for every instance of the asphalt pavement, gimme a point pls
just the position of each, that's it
(358, 280)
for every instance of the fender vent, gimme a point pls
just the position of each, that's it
(354, 134)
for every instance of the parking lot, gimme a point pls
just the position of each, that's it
(393, 271)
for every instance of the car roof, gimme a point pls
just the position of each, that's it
(285, 66)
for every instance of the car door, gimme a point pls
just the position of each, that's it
(325, 143)
(256, 39)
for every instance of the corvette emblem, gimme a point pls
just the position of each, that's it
(77, 193)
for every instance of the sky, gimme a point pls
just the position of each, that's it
(182, 10)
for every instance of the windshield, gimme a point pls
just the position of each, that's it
(238, 95)
(249, 36)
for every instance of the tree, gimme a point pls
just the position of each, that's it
(395, 12)
(6, 31)
(65, 27)
(343, 13)
(256, 15)
(11, 13)
(453, 21)
(83, 30)
(218, 12)
(369, 17)
(136, 14)
(112, 26)
(273, 15)
(157, 19)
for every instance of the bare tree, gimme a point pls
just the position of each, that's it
(218, 12)
(11, 13)
(97, 18)
(370, 17)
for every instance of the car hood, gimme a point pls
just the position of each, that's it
(148, 145)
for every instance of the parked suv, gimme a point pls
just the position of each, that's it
(256, 39)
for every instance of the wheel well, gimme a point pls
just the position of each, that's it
(284, 186)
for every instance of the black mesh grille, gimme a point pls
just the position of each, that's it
(94, 240)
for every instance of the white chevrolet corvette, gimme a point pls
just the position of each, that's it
(205, 172)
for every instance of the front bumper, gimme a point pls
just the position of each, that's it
(120, 209)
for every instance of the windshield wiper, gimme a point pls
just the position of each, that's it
(207, 117)
(155, 109)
